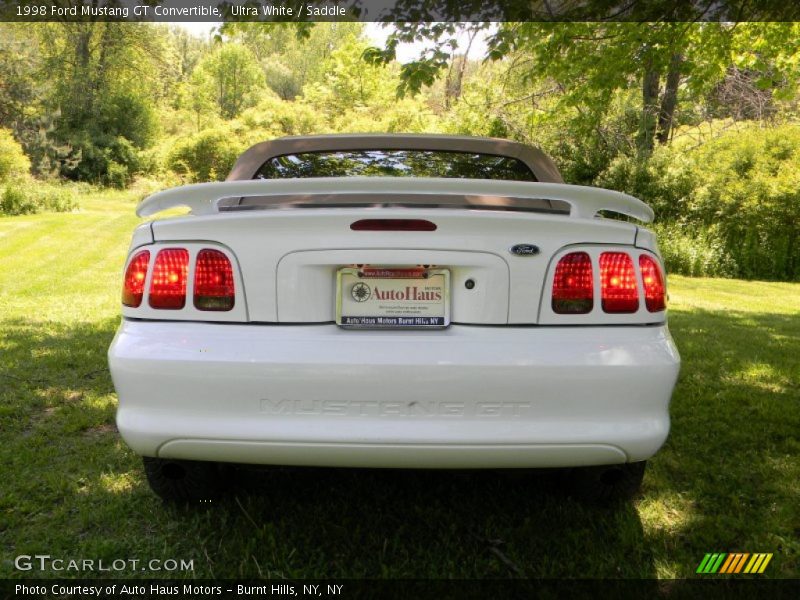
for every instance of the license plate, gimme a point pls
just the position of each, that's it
(391, 298)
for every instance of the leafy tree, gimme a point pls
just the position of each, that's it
(590, 64)
(105, 79)
(291, 55)
(20, 89)
(206, 156)
(230, 75)
(13, 162)
(349, 83)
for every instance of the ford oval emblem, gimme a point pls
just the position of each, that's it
(524, 250)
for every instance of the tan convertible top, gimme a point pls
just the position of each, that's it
(252, 159)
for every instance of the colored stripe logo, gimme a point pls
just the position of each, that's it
(736, 562)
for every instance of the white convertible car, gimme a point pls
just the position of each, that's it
(393, 301)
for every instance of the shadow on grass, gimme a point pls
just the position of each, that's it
(423, 523)
(732, 450)
(54, 368)
(726, 480)
(76, 489)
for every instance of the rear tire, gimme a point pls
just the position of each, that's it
(184, 481)
(606, 484)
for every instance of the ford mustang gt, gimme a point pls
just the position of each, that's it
(402, 301)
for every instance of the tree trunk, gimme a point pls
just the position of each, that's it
(463, 66)
(453, 86)
(670, 99)
(647, 128)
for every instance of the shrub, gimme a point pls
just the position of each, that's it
(13, 162)
(57, 198)
(34, 197)
(734, 199)
(17, 201)
(749, 192)
(107, 160)
(116, 176)
(695, 253)
(207, 156)
(666, 181)
(273, 117)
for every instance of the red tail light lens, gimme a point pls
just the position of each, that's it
(213, 281)
(393, 225)
(573, 286)
(135, 274)
(168, 286)
(655, 297)
(618, 283)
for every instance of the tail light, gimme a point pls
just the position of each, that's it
(393, 225)
(135, 275)
(213, 281)
(168, 285)
(618, 283)
(573, 286)
(654, 291)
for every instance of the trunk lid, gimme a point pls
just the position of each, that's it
(289, 257)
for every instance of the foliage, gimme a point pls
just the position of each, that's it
(229, 77)
(355, 97)
(273, 117)
(20, 89)
(750, 194)
(105, 159)
(23, 198)
(666, 181)
(731, 204)
(290, 56)
(641, 106)
(104, 79)
(13, 162)
(693, 252)
(49, 158)
(671, 64)
(206, 156)
(350, 84)
(15, 200)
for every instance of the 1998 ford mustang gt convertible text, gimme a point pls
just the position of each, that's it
(393, 301)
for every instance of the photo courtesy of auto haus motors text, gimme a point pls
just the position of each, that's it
(190, 590)
(391, 298)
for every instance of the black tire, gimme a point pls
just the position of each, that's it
(185, 481)
(606, 484)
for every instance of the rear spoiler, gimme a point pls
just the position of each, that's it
(207, 198)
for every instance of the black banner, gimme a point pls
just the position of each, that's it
(227, 589)
(396, 10)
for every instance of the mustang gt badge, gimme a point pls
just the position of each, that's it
(524, 250)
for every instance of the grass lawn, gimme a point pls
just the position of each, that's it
(727, 480)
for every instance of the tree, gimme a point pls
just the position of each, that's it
(104, 80)
(20, 91)
(232, 77)
(590, 64)
(350, 84)
(291, 55)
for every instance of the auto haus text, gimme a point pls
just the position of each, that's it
(184, 590)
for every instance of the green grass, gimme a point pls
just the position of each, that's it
(727, 479)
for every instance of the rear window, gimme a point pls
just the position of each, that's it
(395, 163)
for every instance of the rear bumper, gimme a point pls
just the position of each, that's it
(466, 396)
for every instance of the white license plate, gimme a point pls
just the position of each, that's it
(393, 298)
